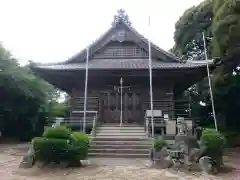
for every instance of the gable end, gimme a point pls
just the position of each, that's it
(116, 49)
(122, 41)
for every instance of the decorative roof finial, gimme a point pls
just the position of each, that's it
(121, 16)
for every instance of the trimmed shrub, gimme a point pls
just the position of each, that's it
(80, 140)
(212, 139)
(59, 144)
(212, 143)
(51, 150)
(60, 132)
(158, 146)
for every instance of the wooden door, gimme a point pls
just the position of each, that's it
(131, 107)
(111, 108)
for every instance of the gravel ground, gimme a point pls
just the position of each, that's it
(100, 169)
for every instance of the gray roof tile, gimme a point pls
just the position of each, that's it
(122, 64)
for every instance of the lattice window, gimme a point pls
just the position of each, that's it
(120, 50)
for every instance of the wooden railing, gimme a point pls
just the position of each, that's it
(174, 108)
(78, 119)
(77, 113)
(78, 104)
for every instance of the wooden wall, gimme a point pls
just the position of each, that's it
(97, 101)
(77, 104)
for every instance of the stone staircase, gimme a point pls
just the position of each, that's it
(128, 141)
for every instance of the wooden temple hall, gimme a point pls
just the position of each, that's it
(121, 55)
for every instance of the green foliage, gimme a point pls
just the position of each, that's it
(227, 102)
(26, 100)
(226, 31)
(188, 31)
(57, 109)
(213, 140)
(159, 144)
(60, 132)
(60, 144)
(220, 21)
(212, 144)
(51, 149)
(23, 99)
(79, 138)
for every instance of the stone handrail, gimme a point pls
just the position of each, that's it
(94, 125)
(146, 125)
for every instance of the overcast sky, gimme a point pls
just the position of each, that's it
(54, 30)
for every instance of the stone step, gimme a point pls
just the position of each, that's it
(121, 151)
(131, 127)
(123, 145)
(119, 155)
(121, 130)
(121, 134)
(117, 127)
(120, 138)
(119, 142)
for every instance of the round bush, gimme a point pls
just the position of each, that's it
(212, 139)
(79, 137)
(60, 132)
(212, 144)
(60, 144)
(51, 149)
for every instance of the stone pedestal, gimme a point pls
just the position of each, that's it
(189, 124)
(171, 127)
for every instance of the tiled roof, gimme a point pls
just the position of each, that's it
(105, 39)
(122, 64)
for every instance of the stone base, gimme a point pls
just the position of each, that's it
(207, 165)
(75, 163)
(28, 160)
(62, 164)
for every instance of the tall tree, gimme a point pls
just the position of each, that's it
(188, 31)
(219, 19)
(25, 99)
(189, 46)
(226, 31)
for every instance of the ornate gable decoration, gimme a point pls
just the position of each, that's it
(119, 36)
(121, 16)
(119, 44)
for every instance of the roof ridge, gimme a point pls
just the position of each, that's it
(146, 40)
(94, 42)
(125, 64)
(122, 18)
